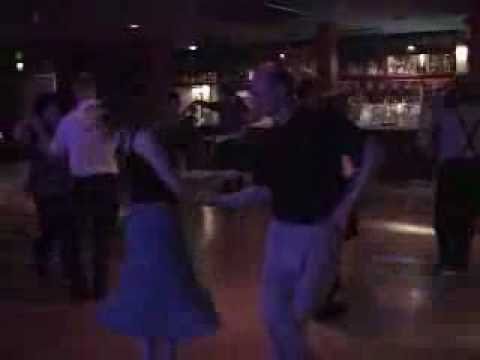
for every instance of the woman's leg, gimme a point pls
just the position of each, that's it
(43, 244)
(105, 217)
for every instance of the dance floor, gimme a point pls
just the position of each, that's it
(398, 311)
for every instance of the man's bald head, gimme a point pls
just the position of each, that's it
(272, 89)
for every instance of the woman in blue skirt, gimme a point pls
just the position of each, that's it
(159, 299)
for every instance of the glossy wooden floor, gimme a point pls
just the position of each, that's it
(398, 311)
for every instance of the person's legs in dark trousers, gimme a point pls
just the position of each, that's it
(73, 249)
(454, 214)
(463, 223)
(333, 306)
(351, 231)
(56, 226)
(105, 215)
(64, 230)
(43, 245)
(441, 201)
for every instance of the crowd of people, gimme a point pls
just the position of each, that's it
(311, 169)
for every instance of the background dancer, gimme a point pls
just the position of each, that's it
(84, 138)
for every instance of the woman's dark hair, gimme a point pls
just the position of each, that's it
(43, 101)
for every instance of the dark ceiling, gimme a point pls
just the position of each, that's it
(242, 20)
(377, 16)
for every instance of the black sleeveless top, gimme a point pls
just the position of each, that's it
(145, 187)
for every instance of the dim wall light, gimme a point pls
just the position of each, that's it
(461, 55)
(201, 92)
(283, 56)
(423, 60)
(193, 48)
(411, 48)
(134, 26)
(20, 66)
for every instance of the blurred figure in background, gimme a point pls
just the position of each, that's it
(362, 156)
(231, 109)
(353, 141)
(85, 139)
(228, 134)
(49, 183)
(182, 136)
(172, 111)
(453, 131)
(159, 299)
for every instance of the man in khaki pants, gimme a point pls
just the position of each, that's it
(299, 176)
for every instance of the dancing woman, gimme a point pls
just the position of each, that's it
(159, 300)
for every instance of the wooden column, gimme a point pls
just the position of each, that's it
(326, 54)
(159, 74)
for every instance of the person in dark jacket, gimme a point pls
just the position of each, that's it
(49, 183)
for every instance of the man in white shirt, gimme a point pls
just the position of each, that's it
(90, 148)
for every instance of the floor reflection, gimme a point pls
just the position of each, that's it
(397, 310)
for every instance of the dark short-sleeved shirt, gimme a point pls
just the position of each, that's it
(301, 164)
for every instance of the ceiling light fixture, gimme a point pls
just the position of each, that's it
(285, 8)
(134, 26)
(193, 48)
(411, 48)
(422, 59)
